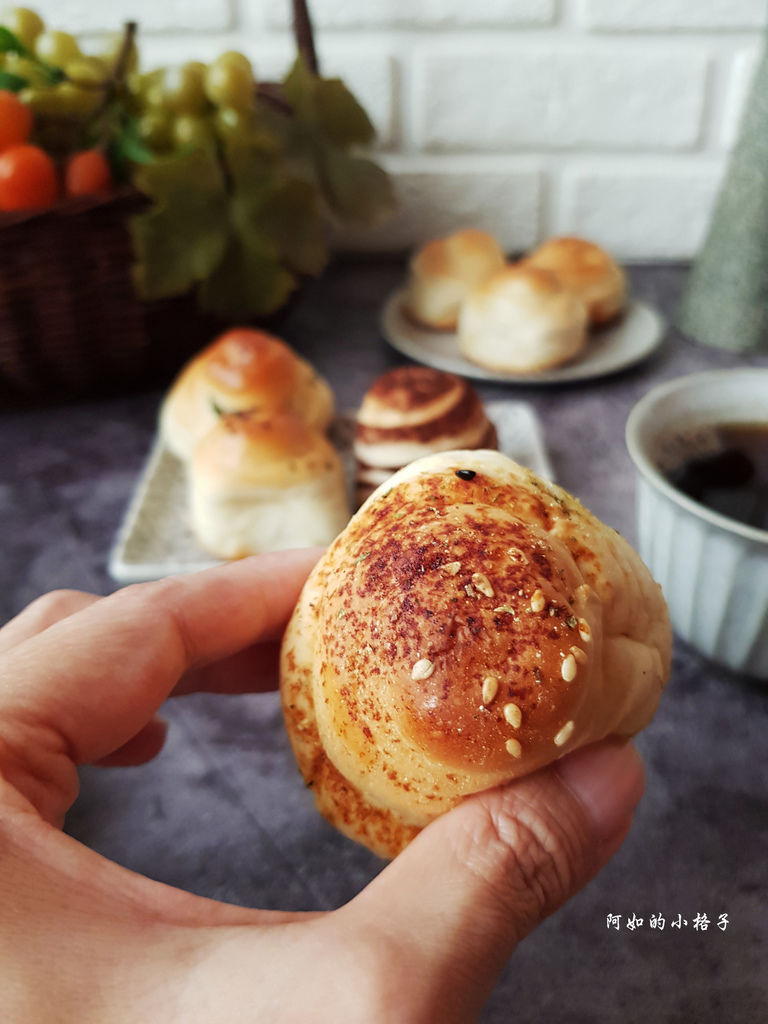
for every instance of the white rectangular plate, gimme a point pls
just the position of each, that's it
(155, 539)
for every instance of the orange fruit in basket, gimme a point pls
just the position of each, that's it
(27, 178)
(15, 120)
(87, 174)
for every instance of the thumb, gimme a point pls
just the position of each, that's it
(457, 901)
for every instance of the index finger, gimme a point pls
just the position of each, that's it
(93, 680)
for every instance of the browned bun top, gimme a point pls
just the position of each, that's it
(412, 387)
(416, 403)
(572, 259)
(245, 359)
(249, 448)
(588, 271)
(471, 624)
(465, 253)
(243, 368)
(444, 602)
(538, 282)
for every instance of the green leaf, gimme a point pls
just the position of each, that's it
(181, 239)
(268, 205)
(12, 83)
(339, 116)
(292, 218)
(357, 189)
(327, 121)
(252, 167)
(249, 281)
(298, 87)
(128, 145)
(328, 106)
(10, 43)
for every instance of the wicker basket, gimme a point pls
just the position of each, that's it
(71, 323)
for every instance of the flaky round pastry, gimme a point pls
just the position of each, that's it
(261, 483)
(588, 271)
(521, 320)
(443, 271)
(410, 412)
(470, 625)
(243, 369)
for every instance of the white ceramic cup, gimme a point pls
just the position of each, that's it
(713, 569)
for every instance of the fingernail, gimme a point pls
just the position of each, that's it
(608, 779)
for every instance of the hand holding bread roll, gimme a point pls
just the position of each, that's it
(242, 369)
(471, 624)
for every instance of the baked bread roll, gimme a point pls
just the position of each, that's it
(470, 625)
(261, 484)
(586, 270)
(521, 320)
(410, 412)
(442, 272)
(243, 369)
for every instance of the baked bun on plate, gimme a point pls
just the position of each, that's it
(261, 484)
(586, 270)
(443, 271)
(243, 369)
(521, 320)
(413, 411)
(470, 625)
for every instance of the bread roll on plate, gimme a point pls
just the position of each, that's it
(470, 625)
(586, 270)
(261, 484)
(521, 320)
(243, 369)
(410, 412)
(442, 272)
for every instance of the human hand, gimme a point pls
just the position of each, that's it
(82, 939)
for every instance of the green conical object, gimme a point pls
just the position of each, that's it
(726, 298)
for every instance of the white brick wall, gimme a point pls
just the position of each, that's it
(407, 14)
(628, 203)
(623, 15)
(543, 97)
(610, 118)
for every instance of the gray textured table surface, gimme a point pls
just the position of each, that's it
(221, 811)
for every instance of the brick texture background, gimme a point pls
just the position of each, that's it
(608, 118)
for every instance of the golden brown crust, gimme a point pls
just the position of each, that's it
(461, 632)
(408, 388)
(260, 483)
(249, 448)
(441, 272)
(417, 403)
(587, 270)
(243, 369)
(450, 255)
(539, 282)
(245, 359)
(410, 412)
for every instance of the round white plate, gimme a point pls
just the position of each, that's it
(610, 349)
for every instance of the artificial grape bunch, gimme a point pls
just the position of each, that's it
(242, 178)
(192, 105)
(44, 80)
